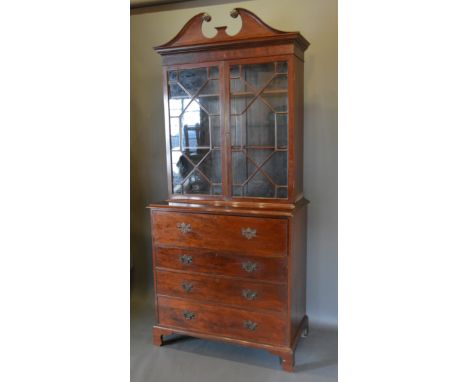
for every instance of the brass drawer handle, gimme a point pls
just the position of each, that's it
(189, 315)
(250, 325)
(185, 259)
(184, 228)
(249, 294)
(186, 286)
(249, 266)
(249, 233)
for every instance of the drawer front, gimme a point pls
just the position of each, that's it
(227, 291)
(262, 236)
(228, 322)
(254, 267)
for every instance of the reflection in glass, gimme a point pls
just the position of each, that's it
(172, 75)
(195, 126)
(175, 133)
(212, 165)
(196, 183)
(193, 79)
(195, 130)
(176, 92)
(196, 156)
(181, 167)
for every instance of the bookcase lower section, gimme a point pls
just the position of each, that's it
(231, 274)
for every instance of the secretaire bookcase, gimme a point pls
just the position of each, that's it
(229, 243)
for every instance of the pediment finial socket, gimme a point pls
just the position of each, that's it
(234, 13)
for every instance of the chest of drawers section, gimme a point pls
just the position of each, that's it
(225, 277)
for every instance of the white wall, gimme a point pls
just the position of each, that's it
(317, 22)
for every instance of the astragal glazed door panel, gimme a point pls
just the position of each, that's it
(259, 129)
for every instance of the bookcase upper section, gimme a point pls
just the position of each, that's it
(233, 112)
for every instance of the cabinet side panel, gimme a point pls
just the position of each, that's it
(154, 252)
(298, 127)
(297, 263)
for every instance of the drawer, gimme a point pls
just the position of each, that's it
(227, 322)
(222, 290)
(254, 267)
(262, 236)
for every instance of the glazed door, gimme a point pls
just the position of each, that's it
(194, 130)
(259, 129)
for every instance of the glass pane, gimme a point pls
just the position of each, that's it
(237, 191)
(279, 82)
(181, 167)
(172, 75)
(238, 86)
(259, 156)
(282, 192)
(216, 189)
(259, 186)
(195, 130)
(282, 131)
(282, 67)
(176, 91)
(195, 156)
(211, 166)
(215, 131)
(175, 133)
(258, 75)
(196, 184)
(193, 79)
(277, 101)
(234, 71)
(239, 168)
(276, 168)
(259, 129)
(210, 88)
(260, 125)
(209, 104)
(238, 130)
(195, 127)
(240, 103)
(214, 72)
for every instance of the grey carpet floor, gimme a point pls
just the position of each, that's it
(186, 359)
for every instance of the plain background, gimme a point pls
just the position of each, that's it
(317, 22)
(65, 193)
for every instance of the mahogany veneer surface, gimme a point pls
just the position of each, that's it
(222, 263)
(231, 291)
(230, 322)
(230, 265)
(220, 233)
